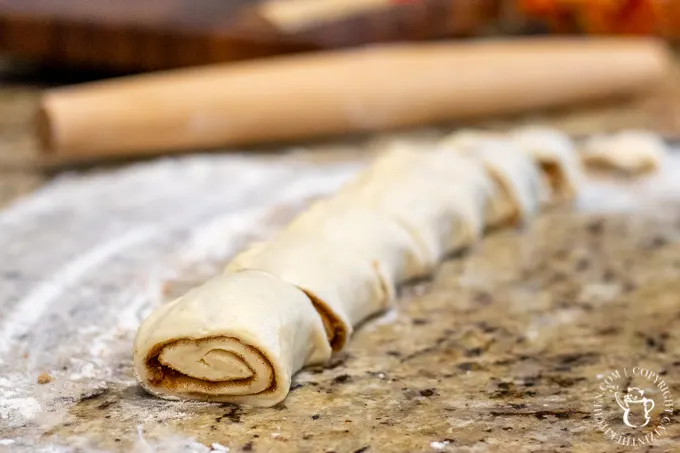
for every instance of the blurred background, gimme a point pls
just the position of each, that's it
(45, 45)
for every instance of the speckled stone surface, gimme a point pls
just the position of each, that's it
(499, 352)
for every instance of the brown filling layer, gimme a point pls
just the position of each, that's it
(515, 216)
(336, 331)
(556, 178)
(161, 375)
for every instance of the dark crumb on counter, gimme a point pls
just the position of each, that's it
(542, 415)
(474, 352)
(558, 277)
(337, 360)
(316, 417)
(657, 242)
(608, 276)
(255, 436)
(233, 414)
(483, 298)
(343, 378)
(419, 322)
(486, 328)
(469, 366)
(44, 378)
(580, 358)
(116, 440)
(582, 264)
(394, 353)
(307, 436)
(362, 449)
(248, 446)
(595, 227)
(503, 362)
(438, 342)
(428, 392)
(564, 381)
(561, 254)
(105, 405)
(609, 331)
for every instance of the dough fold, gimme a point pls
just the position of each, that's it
(521, 188)
(344, 287)
(237, 338)
(371, 234)
(557, 156)
(439, 199)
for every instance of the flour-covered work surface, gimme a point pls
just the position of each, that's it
(500, 351)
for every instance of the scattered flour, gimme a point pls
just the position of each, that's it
(439, 445)
(19, 410)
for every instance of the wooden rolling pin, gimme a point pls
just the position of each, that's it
(312, 95)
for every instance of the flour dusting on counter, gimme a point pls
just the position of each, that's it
(86, 257)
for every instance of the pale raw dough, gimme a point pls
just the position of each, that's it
(287, 302)
(237, 338)
(344, 287)
(522, 188)
(557, 156)
(627, 151)
(438, 199)
(468, 140)
(370, 233)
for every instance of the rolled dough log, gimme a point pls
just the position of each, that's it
(628, 151)
(370, 233)
(557, 156)
(345, 288)
(521, 187)
(237, 338)
(439, 199)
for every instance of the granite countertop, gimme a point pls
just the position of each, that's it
(504, 349)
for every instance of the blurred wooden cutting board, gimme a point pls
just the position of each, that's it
(132, 35)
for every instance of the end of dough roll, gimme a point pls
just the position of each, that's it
(628, 151)
(237, 338)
